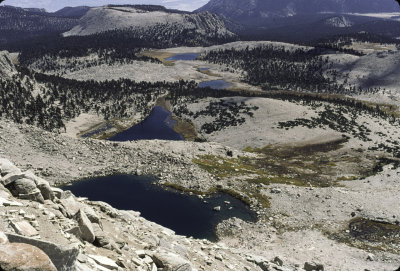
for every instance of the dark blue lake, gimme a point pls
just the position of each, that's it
(158, 125)
(215, 84)
(185, 214)
(186, 56)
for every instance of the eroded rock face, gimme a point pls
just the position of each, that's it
(24, 257)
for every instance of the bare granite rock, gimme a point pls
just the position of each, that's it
(85, 227)
(24, 257)
(62, 257)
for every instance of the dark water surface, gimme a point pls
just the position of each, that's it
(215, 84)
(158, 125)
(185, 214)
(186, 56)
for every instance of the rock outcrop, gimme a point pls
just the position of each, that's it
(24, 185)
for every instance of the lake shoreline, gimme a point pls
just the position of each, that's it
(193, 215)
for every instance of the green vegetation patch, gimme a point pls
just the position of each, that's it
(186, 128)
(226, 167)
(316, 164)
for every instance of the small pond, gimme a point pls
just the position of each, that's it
(215, 84)
(158, 125)
(185, 214)
(186, 56)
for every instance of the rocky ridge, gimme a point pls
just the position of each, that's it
(69, 233)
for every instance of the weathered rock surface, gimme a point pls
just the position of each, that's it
(24, 257)
(104, 261)
(41, 184)
(62, 257)
(6, 167)
(24, 228)
(3, 238)
(169, 261)
(26, 188)
(85, 226)
(312, 266)
(71, 206)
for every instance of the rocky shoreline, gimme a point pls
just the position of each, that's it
(62, 232)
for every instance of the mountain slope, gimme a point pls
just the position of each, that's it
(143, 20)
(18, 23)
(243, 11)
(7, 68)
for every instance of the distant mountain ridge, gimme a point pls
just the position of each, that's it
(245, 11)
(306, 20)
(107, 18)
(72, 12)
(156, 24)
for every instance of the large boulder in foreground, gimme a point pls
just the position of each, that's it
(24, 257)
(63, 258)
